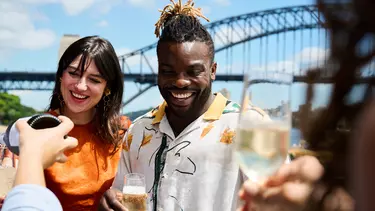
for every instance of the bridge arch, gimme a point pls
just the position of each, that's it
(250, 26)
(239, 29)
(227, 33)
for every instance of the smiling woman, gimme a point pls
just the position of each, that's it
(88, 89)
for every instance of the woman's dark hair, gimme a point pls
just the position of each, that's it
(179, 23)
(350, 24)
(100, 51)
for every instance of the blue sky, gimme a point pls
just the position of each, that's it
(30, 32)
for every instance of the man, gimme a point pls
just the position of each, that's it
(184, 147)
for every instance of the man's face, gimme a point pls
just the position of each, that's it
(185, 75)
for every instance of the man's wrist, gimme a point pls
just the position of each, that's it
(30, 168)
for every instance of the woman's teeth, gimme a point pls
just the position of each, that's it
(79, 96)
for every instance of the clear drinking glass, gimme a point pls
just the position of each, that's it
(134, 192)
(263, 133)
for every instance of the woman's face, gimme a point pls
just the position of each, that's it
(82, 94)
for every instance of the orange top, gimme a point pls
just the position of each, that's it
(89, 171)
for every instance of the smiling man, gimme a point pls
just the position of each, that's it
(184, 146)
(186, 72)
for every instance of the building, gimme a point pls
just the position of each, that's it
(66, 41)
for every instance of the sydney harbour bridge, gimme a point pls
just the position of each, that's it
(290, 39)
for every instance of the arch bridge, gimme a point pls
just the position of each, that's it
(289, 39)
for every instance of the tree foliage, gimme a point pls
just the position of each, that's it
(11, 109)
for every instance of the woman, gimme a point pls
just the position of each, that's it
(88, 89)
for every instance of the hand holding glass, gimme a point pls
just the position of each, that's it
(134, 193)
(262, 143)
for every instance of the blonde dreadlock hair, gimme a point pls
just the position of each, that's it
(179, 23)
(177, 9)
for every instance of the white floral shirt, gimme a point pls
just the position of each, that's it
(195, 171)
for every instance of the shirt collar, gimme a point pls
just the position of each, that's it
(213, 113)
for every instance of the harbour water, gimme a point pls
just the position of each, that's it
(295, 136)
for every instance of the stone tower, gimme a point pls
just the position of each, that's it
(65, 42)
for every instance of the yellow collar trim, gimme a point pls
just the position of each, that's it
(216, 108)
(159, 113)
(213, 113)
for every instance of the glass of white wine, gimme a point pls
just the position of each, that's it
(263, 133)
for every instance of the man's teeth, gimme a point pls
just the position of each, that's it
(78, 96)
(181, 95)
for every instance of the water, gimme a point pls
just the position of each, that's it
(295, 136)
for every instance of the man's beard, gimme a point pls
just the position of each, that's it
(195, 108)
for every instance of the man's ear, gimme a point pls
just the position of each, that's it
(213, 71)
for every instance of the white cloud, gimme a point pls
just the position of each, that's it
(122, 51)
(17, 30)
(104, 9)
(310, 57)
(224, 35)
(37, 1)
(102, 23)
(287, 66)
(132, 61)
(222, 2)
(206, 10)
(104, 6)
(74, 7)
(311, 54)
(17, 22)
(141, 3)
(301, 61)
(38, 16)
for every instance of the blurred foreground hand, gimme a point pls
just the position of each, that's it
(47, 144)
(288, 189)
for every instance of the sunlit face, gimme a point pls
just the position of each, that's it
(82, 92)
(185, 76)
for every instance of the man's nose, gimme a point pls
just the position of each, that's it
(182, 81)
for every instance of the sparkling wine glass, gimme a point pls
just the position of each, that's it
(134, 192)
(263, 132)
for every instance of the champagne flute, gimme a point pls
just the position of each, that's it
(263, 132)
(134, 192)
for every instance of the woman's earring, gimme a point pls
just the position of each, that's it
(107, 92)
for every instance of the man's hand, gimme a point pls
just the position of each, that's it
(288, 189)
(49, 144)
(110, 201)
